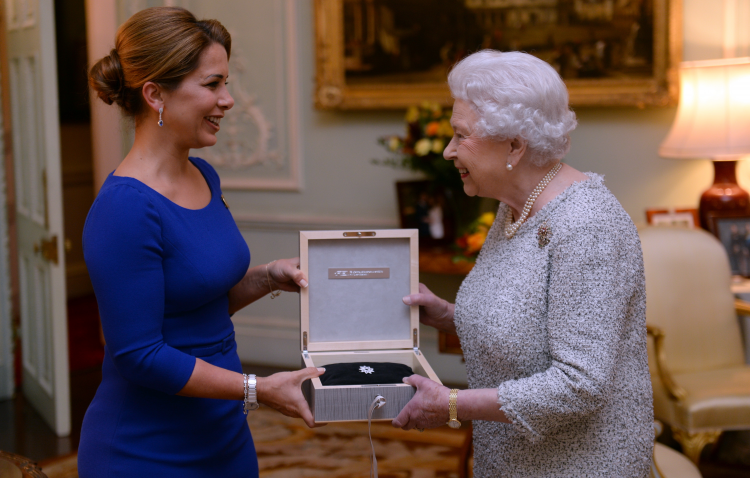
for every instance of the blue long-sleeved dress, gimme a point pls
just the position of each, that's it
(161, 274)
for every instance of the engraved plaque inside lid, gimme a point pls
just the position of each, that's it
(359, 273)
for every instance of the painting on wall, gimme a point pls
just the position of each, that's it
(733, 230)
(423, 205)
(685, 217)
(391, 53)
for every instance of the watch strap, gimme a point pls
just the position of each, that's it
(251, 394)
(453, 408)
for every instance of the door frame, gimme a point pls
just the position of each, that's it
(10, 201)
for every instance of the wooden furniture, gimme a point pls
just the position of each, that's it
(700, 380)
(440, 261)
(17, 466)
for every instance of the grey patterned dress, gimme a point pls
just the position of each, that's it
(559, 330)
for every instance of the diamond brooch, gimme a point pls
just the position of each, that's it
(366, 369)
(543, 234)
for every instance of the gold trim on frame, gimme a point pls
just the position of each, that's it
(332, 91)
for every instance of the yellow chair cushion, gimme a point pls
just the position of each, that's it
(716, 399)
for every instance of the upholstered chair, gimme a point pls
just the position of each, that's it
(700, 380)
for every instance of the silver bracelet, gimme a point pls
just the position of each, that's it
(251, 395)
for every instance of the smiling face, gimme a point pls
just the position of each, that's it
(193, 111)
(481, 161)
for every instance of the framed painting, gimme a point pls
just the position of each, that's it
(380, 54)
(422, 205)
(733, 230)
(686, 217)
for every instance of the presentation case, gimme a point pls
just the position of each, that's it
(352, 312)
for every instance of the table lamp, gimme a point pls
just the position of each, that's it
(713, 121)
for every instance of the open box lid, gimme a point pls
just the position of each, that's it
(357, 280)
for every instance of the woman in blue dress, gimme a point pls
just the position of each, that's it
(169, 267)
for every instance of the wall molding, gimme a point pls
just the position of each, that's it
(234, 154)
(20, 14)
(294, 223)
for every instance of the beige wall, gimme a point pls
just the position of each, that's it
(341, 188)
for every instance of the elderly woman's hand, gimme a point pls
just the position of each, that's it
(285, 275)
(433, 310)
(428, 408)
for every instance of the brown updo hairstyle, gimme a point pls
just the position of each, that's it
(159, 44)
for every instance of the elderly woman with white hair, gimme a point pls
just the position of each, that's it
(552, 317)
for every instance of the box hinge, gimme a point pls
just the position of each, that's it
(415, 335)
(304, 342)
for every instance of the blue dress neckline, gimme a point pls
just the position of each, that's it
(166, 199)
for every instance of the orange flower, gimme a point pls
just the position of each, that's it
(432, 128)
(475, 241)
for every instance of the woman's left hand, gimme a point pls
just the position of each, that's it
(285, 275)
(428, 408)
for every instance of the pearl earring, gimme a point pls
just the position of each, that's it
(509, 167)
(161, 110)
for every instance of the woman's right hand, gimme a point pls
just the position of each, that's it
(433, 310)
(283, 392)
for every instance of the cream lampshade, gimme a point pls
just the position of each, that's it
(713, 121)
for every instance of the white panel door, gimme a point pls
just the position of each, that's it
(36, 153)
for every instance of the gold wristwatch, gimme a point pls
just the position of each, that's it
(453, 409)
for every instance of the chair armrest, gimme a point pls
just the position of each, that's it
(741, 307)
(674, 391)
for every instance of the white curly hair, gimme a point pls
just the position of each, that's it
(516, 95)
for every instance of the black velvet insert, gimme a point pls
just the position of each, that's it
(352, 374)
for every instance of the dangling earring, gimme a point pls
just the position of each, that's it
(161, 110)
(509, 167)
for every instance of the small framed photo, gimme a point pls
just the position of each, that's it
(733, 230)
(423, 205)
(685, 217)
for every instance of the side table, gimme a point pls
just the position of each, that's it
(439, 260)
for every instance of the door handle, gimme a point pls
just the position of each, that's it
(48, 249)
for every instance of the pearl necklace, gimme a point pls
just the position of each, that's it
(510, 226)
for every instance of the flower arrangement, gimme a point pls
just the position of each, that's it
(428, 132)
(473, 239)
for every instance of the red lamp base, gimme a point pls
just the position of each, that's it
(724, 196)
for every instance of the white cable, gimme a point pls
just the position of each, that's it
(377, 403)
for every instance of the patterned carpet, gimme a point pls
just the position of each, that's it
(288, 449)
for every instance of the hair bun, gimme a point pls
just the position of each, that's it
(107, 79)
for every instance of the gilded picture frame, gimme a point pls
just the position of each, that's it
(336, 89)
